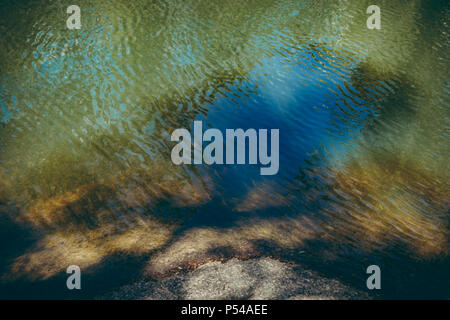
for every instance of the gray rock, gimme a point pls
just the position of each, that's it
(262, 278)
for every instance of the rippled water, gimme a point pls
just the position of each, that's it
(86, 117)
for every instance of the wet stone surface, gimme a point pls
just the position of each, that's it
(262, 278)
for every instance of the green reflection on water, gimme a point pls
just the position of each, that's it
(86, 117)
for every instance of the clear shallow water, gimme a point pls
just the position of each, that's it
(86, 117)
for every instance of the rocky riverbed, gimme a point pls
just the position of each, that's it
(259, 278)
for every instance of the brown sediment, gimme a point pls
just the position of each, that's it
(262, 196)
(56, 251)
(375, 205)
(130, 193)
(54, 211)
(390, 202)
(201, 245)
(80, 227)
(164, 182)
(185, 194)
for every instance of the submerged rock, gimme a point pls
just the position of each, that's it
(261, 278)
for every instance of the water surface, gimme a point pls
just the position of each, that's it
(86, 117)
